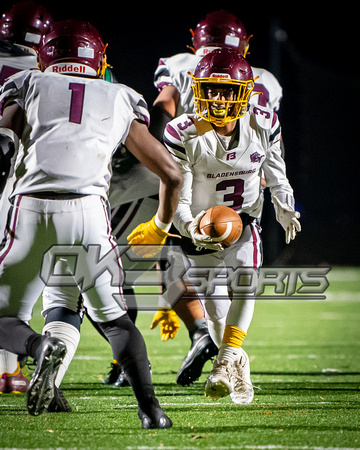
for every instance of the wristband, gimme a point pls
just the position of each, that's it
(163, 226)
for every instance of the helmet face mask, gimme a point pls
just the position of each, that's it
(222, 84)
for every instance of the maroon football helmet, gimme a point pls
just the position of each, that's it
(221, 29)
(25, 23)
(228, 75)
(75, 47)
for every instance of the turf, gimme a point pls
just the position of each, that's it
(304, 357)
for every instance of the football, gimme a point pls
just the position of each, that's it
(221, 223)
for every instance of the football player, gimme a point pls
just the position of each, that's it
(60, 198)
(219, 29)
(222, 151)
(21, 29)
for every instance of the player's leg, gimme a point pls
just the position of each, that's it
(129, 349)
(183, 298)
(202, 347)
(247, 253)
(105, 303)
(11, 376)
(22, 254)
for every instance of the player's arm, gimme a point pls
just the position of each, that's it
(10, 128)
(280, 188)
(156, 158)
(163, 110)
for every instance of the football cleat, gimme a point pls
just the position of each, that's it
(114, 373)
(42, 384)
(202, 349)
(220, 382)
(154, 417)
(16, 383)
(122, 381)
(243, 393)
(59, 403)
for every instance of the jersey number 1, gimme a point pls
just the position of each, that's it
(77, 102)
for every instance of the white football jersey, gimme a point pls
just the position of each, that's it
(174, 71)
(219, 174)
(71, 131)
(13, 60)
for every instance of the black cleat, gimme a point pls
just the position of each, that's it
(42, 385)
(122, 381)
(154, 417)
(202, 349)
(114, 373)
(59, 403)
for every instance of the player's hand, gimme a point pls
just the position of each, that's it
(199, 239)
(148, 239)
(288, 218)
(169, 323)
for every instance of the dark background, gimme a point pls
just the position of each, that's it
(314, 55)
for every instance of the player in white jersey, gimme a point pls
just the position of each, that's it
(21, 28)
(222, 150)
(60, 199)
(218, 29)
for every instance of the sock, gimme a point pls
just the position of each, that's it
(216, 330)
(70, 335)
(14, 372)
(8, 362)
(231, 343)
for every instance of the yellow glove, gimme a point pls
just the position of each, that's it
(169, 323)
(145, 235)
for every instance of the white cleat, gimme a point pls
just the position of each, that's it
(220, 382)
(243, 392)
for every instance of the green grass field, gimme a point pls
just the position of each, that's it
(305, 357)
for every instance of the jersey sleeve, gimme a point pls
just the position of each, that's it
(162, 76)
(141, 110)
(274, 167)
(14, 90)
(267, 89)
(136, 108)
(174, 143)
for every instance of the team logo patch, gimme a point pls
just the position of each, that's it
(256, 157)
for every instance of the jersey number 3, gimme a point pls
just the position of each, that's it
(77, 102)
(236, 196)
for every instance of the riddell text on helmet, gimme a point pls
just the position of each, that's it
(75, 68)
